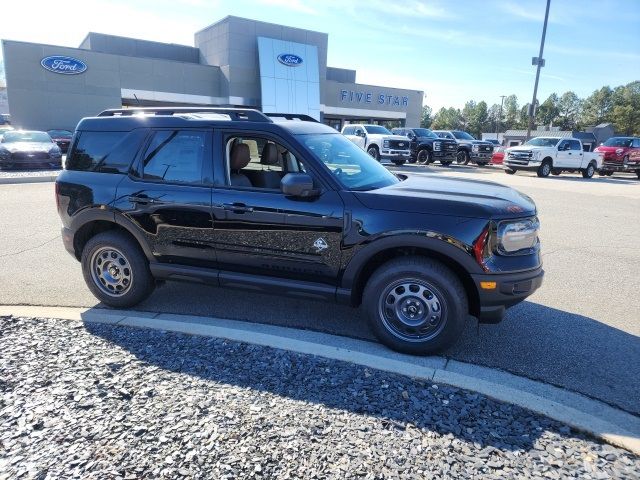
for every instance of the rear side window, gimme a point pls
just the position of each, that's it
(175, 156)
(105, 152)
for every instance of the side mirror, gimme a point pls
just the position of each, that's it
(359, 133)
(411, 135)
(298, 185)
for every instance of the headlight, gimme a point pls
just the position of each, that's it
(535, 155)
(4, 153)
(619, 151)
(475, 148)
(518, 235)
(385, 143)
(437, 146)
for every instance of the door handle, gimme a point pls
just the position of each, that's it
(143, 200)
(237, 207)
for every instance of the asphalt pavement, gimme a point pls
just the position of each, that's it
(579, 331)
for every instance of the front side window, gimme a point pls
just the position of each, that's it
(349, 130)
(352, 166)
(462, 135)
(575, 145)
(175, 156)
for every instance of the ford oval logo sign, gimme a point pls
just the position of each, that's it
(289, 59)
(64, 65)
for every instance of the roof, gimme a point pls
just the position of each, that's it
(538, 133)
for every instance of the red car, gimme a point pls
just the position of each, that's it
(62, 138)
(498, 155)
(620, 154)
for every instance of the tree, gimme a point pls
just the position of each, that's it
(467, 114)
(479, 120)
(511, 112)
(426, 119)
(547, 113)
(626, 109)
(494, 119)
(598, 107)
(569, 108)
(447, 119)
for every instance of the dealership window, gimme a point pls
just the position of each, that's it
(105, 152)
(175, 156)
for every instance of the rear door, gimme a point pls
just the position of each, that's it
(167, 196)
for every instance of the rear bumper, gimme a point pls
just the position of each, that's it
(511, 289)
(67, 240)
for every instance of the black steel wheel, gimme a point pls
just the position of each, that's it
(116, 270)
(424, 157)
(415, 305)
(462, 157)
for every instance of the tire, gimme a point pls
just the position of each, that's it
(510, 171)
(462, 157)
(424, 157)
(545, 169)
(374, 152)
(116, 288)
(483, 164)
(638, 173)
(412, 160)
(433, 293)
(446, 163)
(589, 171)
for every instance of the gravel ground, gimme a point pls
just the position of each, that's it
(98, 401)
(28, 173)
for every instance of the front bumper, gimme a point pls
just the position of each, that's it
(444, 155)
(395, 155)
(520, 165)
(16, 162)
(480, 156)
(511, 289)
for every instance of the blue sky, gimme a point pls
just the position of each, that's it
(453, 50)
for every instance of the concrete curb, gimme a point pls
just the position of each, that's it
(582, 413)
(28, 179)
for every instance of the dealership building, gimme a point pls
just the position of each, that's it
(235, 62)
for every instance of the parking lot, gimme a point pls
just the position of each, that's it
(579, 331)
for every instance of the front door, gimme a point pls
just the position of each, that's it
(260, 231)
(168, 197)
(562, 157)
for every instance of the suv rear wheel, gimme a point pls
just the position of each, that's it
(415, 305)
(116, 270)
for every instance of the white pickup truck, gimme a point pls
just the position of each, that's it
(379, 142)
(549, 155)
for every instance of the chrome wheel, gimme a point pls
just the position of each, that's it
(111, 272)
(412, 310)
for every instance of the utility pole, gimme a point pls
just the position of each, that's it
(500, 116)
(539, 61)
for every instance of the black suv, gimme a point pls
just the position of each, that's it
(427, 147)
(469, 149)
(286, 205)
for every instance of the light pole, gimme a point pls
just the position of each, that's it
(539, 61)
(500, 116)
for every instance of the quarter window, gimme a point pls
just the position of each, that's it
(105, 152)
(175, 156)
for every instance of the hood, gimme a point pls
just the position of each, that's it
(448, 196)
(28, 146)
(435, 139)
(605, 149)
(473, 142)
(392, 137)
(525, 148)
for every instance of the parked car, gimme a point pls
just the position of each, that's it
(551, 155)
(469, 149)
(290, 207)
(379, 142)
(498, 155)
(62, 138)
(495, 141)
(427, 147)
(621, 154)
(28, 149)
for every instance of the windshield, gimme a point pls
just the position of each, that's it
(543, 142)
(13, 136)
(59, 133)
(377, 130)
(618, 142)
(353, 167)
(462, 135)
(424, 132)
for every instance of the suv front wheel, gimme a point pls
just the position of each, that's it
(415, 305)
(116, 270)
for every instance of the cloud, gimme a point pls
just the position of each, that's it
(532, 14)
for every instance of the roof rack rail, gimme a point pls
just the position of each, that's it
(292, 116)
(236, 114)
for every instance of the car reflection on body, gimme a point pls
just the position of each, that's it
(24, 149)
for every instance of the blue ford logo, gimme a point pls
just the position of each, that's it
(289, 59)
(64, 65)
